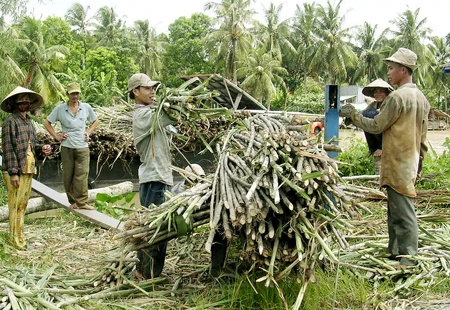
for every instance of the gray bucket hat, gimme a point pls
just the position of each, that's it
(140, 79)
(404, 57)
(378, 83)
(8, 103)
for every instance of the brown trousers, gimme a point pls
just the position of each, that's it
(75, 166)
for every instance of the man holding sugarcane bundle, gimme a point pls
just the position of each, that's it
(152, 142)
(403, 120)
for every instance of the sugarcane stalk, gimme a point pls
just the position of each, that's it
(317, 236)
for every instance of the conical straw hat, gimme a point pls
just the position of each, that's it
(378, 83)
(8, 103)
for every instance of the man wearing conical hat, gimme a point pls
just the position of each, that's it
(403, 120)
(19, 146)
(375, 92)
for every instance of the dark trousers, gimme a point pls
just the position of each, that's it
(218, 252)
(151, 260)
(402, 224)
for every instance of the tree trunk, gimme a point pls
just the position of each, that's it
(40, 204)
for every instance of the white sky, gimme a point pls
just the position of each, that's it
(162, 13)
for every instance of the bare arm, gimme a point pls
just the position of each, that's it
(52, 132)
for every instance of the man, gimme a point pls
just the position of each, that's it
(194, 169)
(18, 144)
(377, 90)
(152, 142)
(403, 120)
(220, 243)
(74, 139)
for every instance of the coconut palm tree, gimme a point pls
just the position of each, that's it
(12, 10)
(411, 32)
(262, 73)
(332, 51)
(370, 49)
(10, 68)
(108, 26)
(77, 17)
(274, 34)
(39, 62)
(231, 41)
(151, 48)
(440, 48)
(304, 25)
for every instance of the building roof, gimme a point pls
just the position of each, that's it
(230, 94)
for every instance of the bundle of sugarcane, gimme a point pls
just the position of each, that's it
(179, 215)
(117, 271)
(193, 134)
(274, 185)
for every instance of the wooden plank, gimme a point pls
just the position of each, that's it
(93, 216)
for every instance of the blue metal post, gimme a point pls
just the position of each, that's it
(332, 100)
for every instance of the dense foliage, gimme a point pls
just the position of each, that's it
(276, 61)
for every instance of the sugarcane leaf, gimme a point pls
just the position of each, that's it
(199, 134)
(45, 277)
(312, 175)
(181, 226)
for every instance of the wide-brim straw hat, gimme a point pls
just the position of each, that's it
(404, 57)
(9, 102)
(378, 83)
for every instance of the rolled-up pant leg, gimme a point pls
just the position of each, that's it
(402, 224)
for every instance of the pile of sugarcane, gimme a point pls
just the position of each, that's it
(198, 124)
(274, 186)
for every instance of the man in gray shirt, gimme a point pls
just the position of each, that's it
(152, 142)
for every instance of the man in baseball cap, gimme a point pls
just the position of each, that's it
(73, 87)
(153, 145)
(141, 80)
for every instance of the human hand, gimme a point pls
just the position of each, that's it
(14, 179)
(62, 136)
(378, 153)
(370, 113)
(347, 121)
(46, 149)
(86, 136)
(347, 110)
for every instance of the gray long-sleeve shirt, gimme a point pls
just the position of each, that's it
(153, 146)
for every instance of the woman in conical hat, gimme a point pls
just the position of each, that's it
(378, 90)
(19, 146)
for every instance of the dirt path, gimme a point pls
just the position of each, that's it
(436, 138)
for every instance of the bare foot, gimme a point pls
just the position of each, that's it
(87, 207)
(137, 275)
(72, 206)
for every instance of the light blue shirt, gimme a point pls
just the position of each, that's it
(74, 125)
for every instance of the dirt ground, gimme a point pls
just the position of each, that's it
(436, 138)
